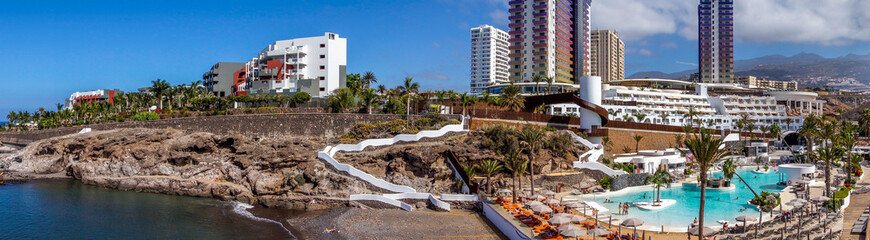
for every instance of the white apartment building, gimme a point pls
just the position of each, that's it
(669, 107)
(608, 55)
(317, 65)
(489, 57)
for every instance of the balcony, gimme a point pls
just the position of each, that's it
(540, 30)
(540, 38)
(516, 10)
(515, 47)
(515, 63)
(513, 40)
(515, 55)
(540, 22)
(516, 32)
(540, 14)
(515, 2)
(540, 7)
(513, 25)
(541, 45)
(515, 17)
(540, 53)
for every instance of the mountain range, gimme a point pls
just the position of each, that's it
(807, 69)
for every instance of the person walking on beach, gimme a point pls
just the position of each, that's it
(620, 208)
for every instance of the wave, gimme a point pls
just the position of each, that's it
(242, 209)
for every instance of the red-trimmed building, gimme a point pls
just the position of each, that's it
(91, 97)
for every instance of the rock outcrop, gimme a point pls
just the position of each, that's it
(267, 171)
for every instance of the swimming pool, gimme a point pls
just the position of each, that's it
(720, 205)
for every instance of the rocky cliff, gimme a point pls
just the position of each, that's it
(281, 172)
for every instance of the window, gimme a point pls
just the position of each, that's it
(322, 56)
(322, 45)
(322, 67)
(322, 89)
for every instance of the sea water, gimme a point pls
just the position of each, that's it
(66, 209)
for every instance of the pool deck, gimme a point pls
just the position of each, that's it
(858, 202)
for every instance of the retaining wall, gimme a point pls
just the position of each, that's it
(505, 226)
(262, 125)
(627, 180)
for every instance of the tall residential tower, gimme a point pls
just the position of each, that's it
(716, 41)
(608, 55)
(489, 57)
(549, 38)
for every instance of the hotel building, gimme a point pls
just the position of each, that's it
(549, 38)
(754, 82)
(716, 41)
(219, 79)
(669, 106)
(316, 65)
(91, 97)
(489, 57)
(608, 55)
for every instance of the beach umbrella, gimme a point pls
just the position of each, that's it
(597, 232)
(552, 201)
(548, 192)
(542, 209)
(537, 196)
(560, 220)
(744, 219)
(533, 203)
(571, 231)
(632, 223)
(820, 199)
(573, 204)
(505, 191)
(707, 231)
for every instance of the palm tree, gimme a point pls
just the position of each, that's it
(538, 79)
(691, 114)
(550, 80)
(706, 151)
(627, 117)
(531, 136)
(764, 129)
(607, 143)
(159, 87)
(665, 116)
(517, 166)
(848, 141)
(465, 100)
(368, 99)
(489, 168)
(775, 130)
(729, 171)
(864, 121)
(637, 139)
(487, 100)
(639, 116)
(368, 78)
(470, 171)
(810, 130)
(382, 89)
(408, 88)
(512, 99)
(829, 153)
(658, 179)
(788, 122)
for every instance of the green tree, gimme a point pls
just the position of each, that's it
(340, 100)
(160, 88)
(706, 151)
(489, 168)
(729, 170)
(637, 139)
(517, 166)
(531, 137)
(408, 88)
(658, 179)
(368, 99)
(538, 79)
(368, 78)
(864, 121)
(300, 97)
(511, 98)
(550, 80)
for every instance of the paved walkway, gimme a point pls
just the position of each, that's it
(857, 203)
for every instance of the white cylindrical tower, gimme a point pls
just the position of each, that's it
(590, 90)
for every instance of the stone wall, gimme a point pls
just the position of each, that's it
(328, 126)
(627, 180)
(652, 140)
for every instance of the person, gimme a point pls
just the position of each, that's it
(644, 195)
(620, 208)
(696, 221)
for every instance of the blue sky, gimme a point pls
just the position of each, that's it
(50, 49)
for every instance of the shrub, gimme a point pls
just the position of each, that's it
(501, 139)
(550, 129)
(145, 116)
(605, 182)
(378, 130)
(763, 197)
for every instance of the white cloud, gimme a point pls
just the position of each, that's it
(499, 18)
(830, 22)
(645, 52)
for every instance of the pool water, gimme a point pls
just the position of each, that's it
(720, 205)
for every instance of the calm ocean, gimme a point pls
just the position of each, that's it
(66, 209)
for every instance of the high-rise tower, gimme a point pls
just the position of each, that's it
(489, 60)
(549, 38)
(716, 41)
(608, 55)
